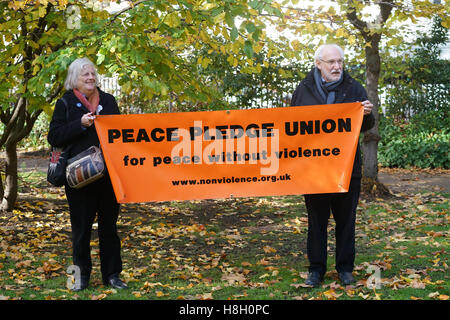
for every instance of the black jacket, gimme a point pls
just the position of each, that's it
(64, 132)
(350, 90)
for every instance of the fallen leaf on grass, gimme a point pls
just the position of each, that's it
(101, 296)
(300, 297)
(160, 294)
(364, 296)
(110, 291)
(233, 277)
(416, 284)
(205, 296)
(268, 249)
(300, 285)
(333, 285)
(332, 295)
(438, 296)
(350, 292)
(263, 262)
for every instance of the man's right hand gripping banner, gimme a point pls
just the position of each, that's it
(234, 153)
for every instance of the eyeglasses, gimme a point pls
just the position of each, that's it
(332, 62)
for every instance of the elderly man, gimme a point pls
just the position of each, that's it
(328, 83)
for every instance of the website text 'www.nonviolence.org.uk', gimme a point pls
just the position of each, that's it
(230, 180)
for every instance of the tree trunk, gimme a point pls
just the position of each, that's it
(371, 137)
(11, 185)
(19, 125)
(2, 190)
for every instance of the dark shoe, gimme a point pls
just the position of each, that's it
(314, 279)
(346, 278)
(115, 282)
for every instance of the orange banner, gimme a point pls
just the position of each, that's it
(235, 153)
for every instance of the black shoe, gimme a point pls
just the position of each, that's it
(115, 282)
(346, 278)
(81, 285)
(314, 279)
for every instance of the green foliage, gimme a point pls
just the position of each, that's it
(422, 142)
(424, 85)
(38, 44)
(416, 131)
(149, 48)
(37, 139)
(264, 81)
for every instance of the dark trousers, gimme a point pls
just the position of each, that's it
(343, 206)
(96, 199)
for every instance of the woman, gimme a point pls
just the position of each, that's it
(74, 126)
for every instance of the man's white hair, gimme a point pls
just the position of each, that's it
(318, 53)
(74, 71)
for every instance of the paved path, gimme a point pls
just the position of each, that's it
(411, 181)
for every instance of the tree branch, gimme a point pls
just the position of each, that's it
(134, 4)
(358, 23)
(385, 11)
(12, 123)
(28, 125)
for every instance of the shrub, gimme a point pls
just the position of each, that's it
(422, 142)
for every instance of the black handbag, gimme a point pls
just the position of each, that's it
(56, 172)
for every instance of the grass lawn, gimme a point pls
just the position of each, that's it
(244, 249)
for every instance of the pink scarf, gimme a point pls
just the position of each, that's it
(94, 99)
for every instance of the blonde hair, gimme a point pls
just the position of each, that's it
(74, 71)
